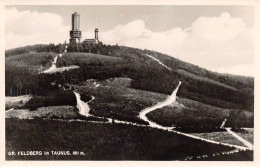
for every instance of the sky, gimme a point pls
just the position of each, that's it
(219, 38)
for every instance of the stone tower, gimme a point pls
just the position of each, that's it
(75, 33)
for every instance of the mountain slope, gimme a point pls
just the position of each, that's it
(222, 90)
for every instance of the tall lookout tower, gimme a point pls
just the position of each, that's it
(75, 33)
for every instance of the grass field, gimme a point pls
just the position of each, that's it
(44, 112)
(66, 113)
(114, 99)
(18, 101)
(100, 141)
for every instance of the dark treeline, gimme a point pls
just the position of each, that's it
(20, 81)
(55, 97)
(99, 48)
(89, 59)
(238, 119)
(21, 72)
(59, 48)
(17, 91)
(201, 119)
(81, 74)
(206, 92)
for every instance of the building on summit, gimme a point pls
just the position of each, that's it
(95, 40)
(75, 33)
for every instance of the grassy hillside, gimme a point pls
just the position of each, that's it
(26, 49)
(123, 82)
(35, 62)
(236, 81)
(104, 61)
(101, 141)
(35, 49)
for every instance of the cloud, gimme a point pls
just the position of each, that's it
(30, 27)
(135, 34)
(222, 44)
(215, 43)
(241, 69)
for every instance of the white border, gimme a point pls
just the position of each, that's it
(255, 163)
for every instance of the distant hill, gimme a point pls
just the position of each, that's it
(222, 90)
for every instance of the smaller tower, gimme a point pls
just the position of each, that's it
(96, 34)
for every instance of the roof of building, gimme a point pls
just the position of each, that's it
(91, 40)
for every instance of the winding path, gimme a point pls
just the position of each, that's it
(167, 102)
(54, 67)
(245, 142)
(84, 109)
(168, 68)
(171, 100)
(82, 106)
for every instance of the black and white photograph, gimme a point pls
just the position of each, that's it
(129, 82)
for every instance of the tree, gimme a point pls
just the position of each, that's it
(237, 119)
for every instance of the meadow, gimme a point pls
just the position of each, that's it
(100, 141)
